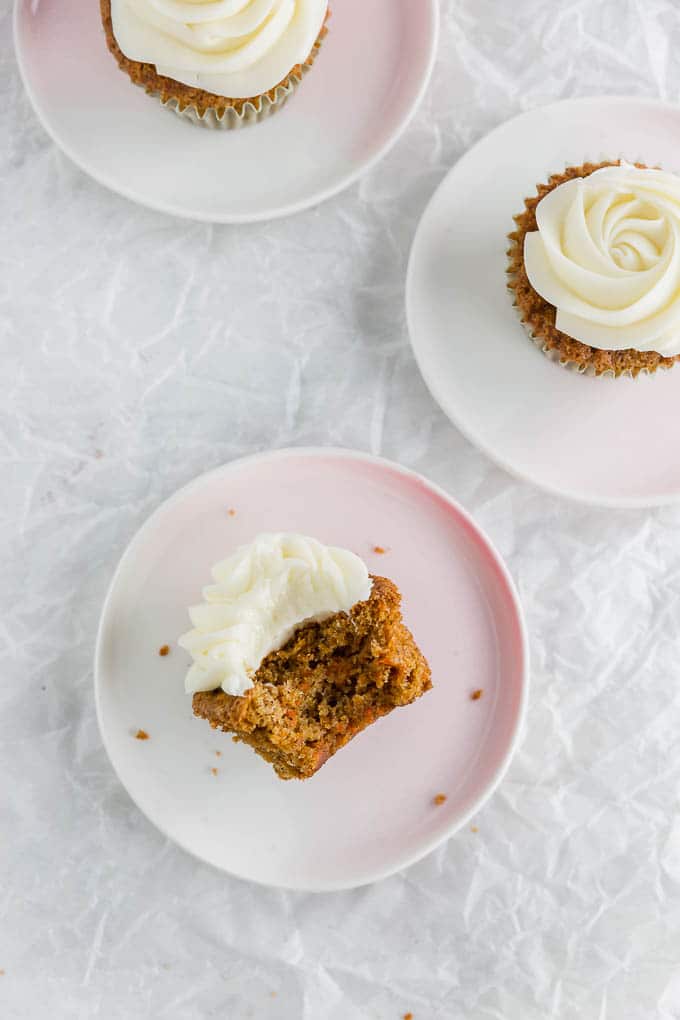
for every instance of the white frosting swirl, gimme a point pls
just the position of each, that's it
(262, 593)
(607, 255)
(233, 48)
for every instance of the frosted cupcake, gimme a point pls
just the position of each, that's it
(221, 63)
(296, 649)
(595, 268)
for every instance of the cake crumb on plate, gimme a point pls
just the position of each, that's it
(440, 799)
(476, 695)
(164, 650)
(214, 771)
(141, 735)
(380, 550)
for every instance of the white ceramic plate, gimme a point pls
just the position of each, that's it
(370, 76)
(613, 442)
(369, 811)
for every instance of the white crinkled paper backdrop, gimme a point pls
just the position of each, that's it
(137, 352)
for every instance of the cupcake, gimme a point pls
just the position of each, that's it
(595, 268)
(221, 63)
(296, 649)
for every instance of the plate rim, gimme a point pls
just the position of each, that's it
(289, 209)
(407, 860)
(582, 498)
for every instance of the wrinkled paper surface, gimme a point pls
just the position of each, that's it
(566, 902)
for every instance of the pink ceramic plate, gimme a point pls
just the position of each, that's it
(358, 98)
(370, 810)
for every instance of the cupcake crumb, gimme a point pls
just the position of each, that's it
(141, 735)
(476, 695)
(231, 512)
(2, 973)
(218, 754)
(214, 771)
(408, 1016)
(380, 550)
(473, 828)
(164, 650)
(440, 799)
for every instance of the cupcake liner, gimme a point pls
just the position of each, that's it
(572, 366)
(229, 118)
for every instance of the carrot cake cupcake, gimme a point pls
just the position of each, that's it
(297, 649)
(595, 267)
(222, 63)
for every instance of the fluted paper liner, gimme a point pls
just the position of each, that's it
(228, 118)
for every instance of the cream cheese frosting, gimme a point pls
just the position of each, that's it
(262, 594)
(233, 48)
(607, 255)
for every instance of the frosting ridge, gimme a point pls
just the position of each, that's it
(233, 48)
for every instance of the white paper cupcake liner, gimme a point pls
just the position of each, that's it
(229, 119)
(572, 366)
(251, 112)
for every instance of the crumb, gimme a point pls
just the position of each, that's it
(476, 695)
(141, 735)
(2, 973)
(379, 549)
(218, 754)
(439, 799)
(214, 771)
(408, 1016)
(231, 512)
(473, 828)
(273, 995)
(164, 650)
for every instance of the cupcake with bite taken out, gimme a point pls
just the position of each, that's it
(220, 63)
(296, 649)
(595, 268)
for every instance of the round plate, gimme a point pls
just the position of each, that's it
(371, 73)
(369, 811)
(606, 441)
